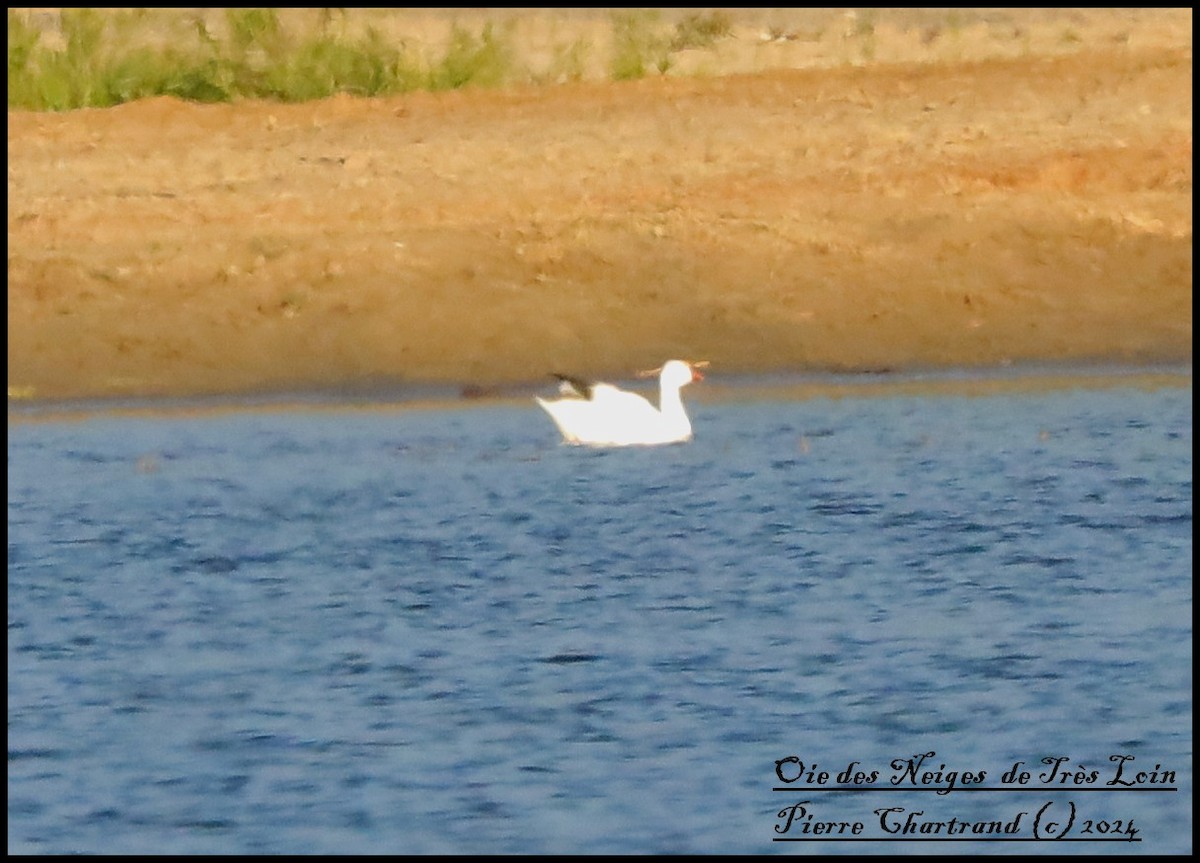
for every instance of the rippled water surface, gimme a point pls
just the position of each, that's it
(400, 630)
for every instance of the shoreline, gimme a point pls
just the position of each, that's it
(782, 385)
(969, 211)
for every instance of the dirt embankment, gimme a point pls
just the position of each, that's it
(966, 212)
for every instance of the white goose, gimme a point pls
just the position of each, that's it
(602, 415)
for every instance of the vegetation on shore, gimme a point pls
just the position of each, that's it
(60, 59)
(80, 58)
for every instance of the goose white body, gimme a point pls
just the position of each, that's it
(603, 415)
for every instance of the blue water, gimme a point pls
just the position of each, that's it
(434, 631)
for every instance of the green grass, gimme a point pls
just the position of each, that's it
(81, 58)
(486, 60)
(255, 56)
(638, 45)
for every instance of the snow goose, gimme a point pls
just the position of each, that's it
(600, 414)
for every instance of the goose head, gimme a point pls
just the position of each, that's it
(679, 373)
